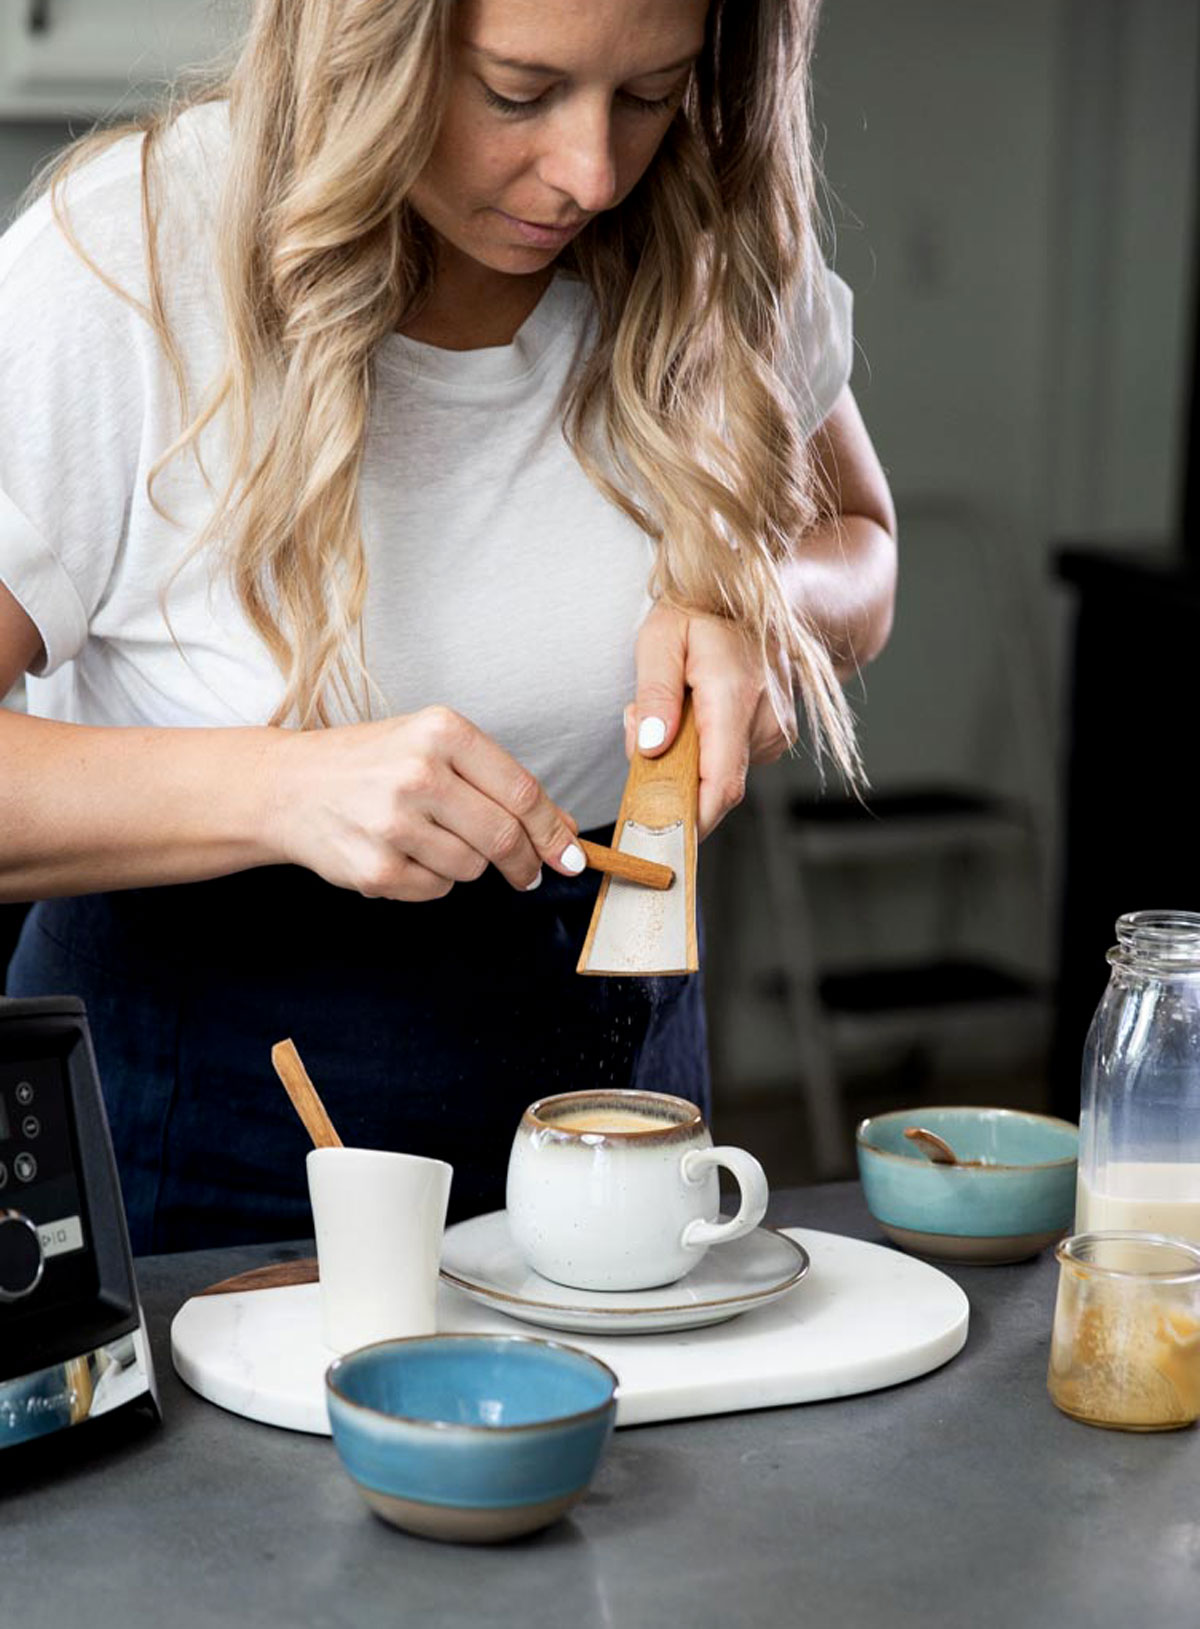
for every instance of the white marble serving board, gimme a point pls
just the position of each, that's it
(863, 1317)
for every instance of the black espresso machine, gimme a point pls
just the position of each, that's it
(73, 1340)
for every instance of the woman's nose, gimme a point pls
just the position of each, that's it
(579, 159)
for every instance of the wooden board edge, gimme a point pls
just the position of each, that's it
(277, 1276)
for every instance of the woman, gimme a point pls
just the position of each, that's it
(373, 429)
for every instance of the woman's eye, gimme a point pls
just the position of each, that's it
(647, 104)
(514, 108)
(506, 104)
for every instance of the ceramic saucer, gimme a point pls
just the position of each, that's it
(480, 1259)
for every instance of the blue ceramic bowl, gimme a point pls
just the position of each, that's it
(1017, 1201)
(471, 1437)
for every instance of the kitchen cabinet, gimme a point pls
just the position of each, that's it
(1128, 840)
(92, 58)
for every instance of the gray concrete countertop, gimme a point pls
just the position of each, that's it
(963, 1497)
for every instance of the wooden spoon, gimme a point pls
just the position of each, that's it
(320, 1128)
(304, 1095)
(934, 1147)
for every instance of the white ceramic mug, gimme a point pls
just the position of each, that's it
(618, 1190)
(379, 1220)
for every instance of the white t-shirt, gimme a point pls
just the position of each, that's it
(502, 583)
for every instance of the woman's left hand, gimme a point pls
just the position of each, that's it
(737, 726)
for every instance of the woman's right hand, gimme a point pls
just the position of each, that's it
(405, 808)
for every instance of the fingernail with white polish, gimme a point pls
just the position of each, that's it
(536, 883)
(573, 857)
(652, 732)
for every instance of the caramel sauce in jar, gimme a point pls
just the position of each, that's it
(1125, 1349)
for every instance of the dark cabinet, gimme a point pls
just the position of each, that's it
(1130, 836)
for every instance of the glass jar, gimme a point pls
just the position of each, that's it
(1125, 1348)
(1139, 1121)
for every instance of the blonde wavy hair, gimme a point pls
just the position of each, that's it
(680, 414)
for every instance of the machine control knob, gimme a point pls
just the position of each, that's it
(21, 1260)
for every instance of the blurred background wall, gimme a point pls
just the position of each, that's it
(1010, 191)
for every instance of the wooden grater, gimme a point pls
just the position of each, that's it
(636, 930)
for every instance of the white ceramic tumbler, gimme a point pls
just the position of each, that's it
(379, 1219)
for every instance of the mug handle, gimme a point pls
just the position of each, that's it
(751, 1180)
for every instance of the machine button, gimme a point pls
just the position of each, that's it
(21, 1260)
(24, 1094)
(61, 1237)
(25, 1166)
(31, 1127)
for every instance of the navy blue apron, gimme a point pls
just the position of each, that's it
(425, 1027)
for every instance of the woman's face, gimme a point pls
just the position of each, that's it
(555, 109)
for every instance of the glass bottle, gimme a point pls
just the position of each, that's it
(1139, 1122)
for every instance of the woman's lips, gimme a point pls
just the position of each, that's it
(540, 235)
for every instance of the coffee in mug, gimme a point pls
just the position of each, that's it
(618, 1190)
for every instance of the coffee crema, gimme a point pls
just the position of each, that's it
(610, 1120)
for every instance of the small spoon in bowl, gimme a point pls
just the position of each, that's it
(934, 1147)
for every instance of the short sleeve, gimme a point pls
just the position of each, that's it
(820, 351)
(70, 411)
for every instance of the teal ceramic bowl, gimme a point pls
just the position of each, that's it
(1016, 1201)
(474, 1438)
